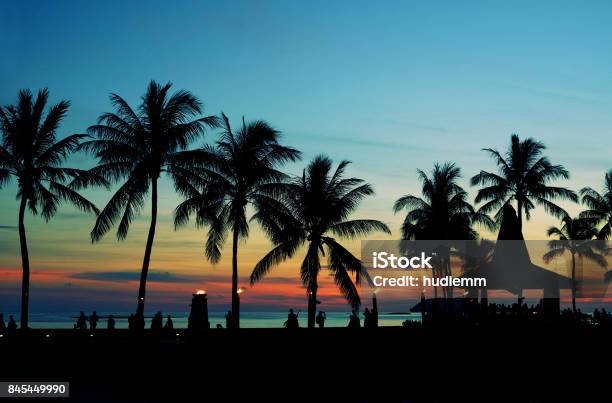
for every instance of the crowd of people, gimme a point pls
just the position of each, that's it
(93, 319)
(84, 322)
(494, 314)
(9, 327)
(602, 318)
(370, 319)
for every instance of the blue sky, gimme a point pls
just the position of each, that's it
(392, 86)
(415, 79)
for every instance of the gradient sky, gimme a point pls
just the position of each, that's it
(392, 86)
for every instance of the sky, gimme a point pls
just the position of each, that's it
(391, 86)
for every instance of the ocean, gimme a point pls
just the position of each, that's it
(179, 319)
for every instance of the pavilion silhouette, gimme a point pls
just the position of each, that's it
(510, 268)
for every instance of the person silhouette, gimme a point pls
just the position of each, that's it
(354, 321)
(139, 321)
(374, 316)
(228, 320)
(110, 324)
(320, 319)
(11, 327)
(82, 321)
(93, 320)
(157, 322)
(2, 324)
(131, 320)
(367, 318)
(169, 325)
(292, 320)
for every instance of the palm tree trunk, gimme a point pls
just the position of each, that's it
(447, 265)
(312, 306)
(519, 213)
(25, 264)
(235, 297)
(574, 282)
(147, 258)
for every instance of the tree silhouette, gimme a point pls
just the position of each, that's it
(135, 147)
(523, 176)
(575, 236)
(241, 169)
(31, 153)
(442, 213)
(600, 206)
(475, 257)
(312, 210)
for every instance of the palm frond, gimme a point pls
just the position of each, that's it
(278, 254)
(118, 202)
(46, 201)
(551, 207)
(410, 202)
(46, 132)
(5, 177)
(340, 263)
(69, 195)
(216, 236)
(59, 151)
(357, 228)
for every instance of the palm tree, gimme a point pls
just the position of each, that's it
(312, 210)
(523, 176)
(600, 206)
(137, 146)
(475, 257)
(31, 153)
(241, 170)
(576, 237)
(443, 213)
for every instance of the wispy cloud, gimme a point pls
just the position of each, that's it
(122, 276)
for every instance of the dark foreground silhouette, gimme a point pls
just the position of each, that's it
(466, 312)
(399, 364)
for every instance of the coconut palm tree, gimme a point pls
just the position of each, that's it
(135, 147)
(524, 174)
(600, 206)
(241, 170)
(31, 153)
(475, 257)
(576, 237)
(312, 211)
(442, 213)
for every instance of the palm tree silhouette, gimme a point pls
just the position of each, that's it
(443, 213)
(139, 146)
(600, 206)
(523, 176)
(475, 258)
(241, 169)
(576, 237)
(312, 210)
(31, 153)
